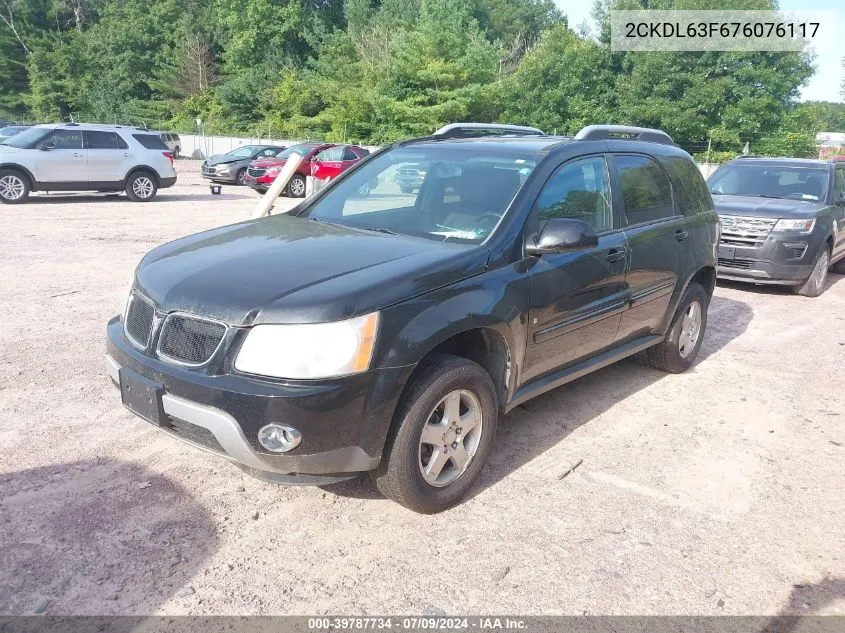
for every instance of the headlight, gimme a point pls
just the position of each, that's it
(319, 350)
(802, 226)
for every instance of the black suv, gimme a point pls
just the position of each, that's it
(388, 331)
(783, 221)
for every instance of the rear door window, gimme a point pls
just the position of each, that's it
(95, 139)
(692, 192)
(348, 154)
(646, 190)
(150, 141)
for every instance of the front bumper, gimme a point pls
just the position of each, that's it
(782, 259)
(343, 421)
(224, 177)
(261, 183)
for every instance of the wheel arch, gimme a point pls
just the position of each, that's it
(142, 168)
(27, 174)
(705, 276)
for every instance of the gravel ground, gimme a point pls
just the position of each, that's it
(714, 492)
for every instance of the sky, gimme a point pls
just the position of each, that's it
(825, 85)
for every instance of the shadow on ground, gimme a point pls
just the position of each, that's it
(805, 600)
(97, 537)
(536, 426)
(774, 289)
(162, 196)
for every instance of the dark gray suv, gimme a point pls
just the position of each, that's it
(783, 221)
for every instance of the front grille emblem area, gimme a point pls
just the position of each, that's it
(189, 340)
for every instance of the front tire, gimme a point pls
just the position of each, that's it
(296, 187)
(239, 178)
(14, 187)
(814, 285)
(441, 436)
(678, 351)
(141, 187)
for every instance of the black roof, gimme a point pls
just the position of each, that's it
(492, 143)
(783, 161)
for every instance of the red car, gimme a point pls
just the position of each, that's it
(322, 160)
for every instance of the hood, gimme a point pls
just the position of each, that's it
(284, 269)
(222, 159)
(264, 163)
(7, 149)
(752, 206)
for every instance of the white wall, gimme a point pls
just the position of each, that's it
(210, 145)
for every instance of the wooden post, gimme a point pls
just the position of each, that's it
(266, 203)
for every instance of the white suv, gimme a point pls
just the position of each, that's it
(85, 157)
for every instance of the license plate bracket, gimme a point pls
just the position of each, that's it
(142, 396)
(727, 252)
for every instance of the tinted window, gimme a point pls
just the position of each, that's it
(839, 184)
(348, 154)
(150, 141)
(66, 139)
(104, 140)
(796, 182)
(646, 192)
(693, 194)
(578, 190)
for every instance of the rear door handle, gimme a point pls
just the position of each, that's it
(681, 235)
(615, 255)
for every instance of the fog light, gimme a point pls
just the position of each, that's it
(279, 438)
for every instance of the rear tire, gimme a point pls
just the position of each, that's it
(429, 478)
(296, 187)
(814, 285)
(678, 351)
(14, 187)
(141, 186)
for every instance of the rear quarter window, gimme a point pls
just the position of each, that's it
(150, 141)
(693, 194)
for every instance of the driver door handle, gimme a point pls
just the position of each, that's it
(616, 254)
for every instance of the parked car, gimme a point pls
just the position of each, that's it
(10, 130)
(231, 168)
(783, 221)
(331, 162)
(388, 333)
(172, 140)
(409, 178)
(85, 157)
(262, 173)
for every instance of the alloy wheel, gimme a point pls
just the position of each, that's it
(450, 438)
(12, 187)
(297, 187)
(143, 187)
(690, 329)
(820, 271)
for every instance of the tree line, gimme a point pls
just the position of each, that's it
(374, 71)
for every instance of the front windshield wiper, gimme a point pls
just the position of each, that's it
(377, 229)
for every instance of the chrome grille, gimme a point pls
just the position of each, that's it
(256, 172)
(745, 231)
(189, 340)
(138, 323)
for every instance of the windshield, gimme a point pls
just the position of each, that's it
(302, 150)
(11, 130)
(27, 137)
(243, 152)
(770, 181)
(440, 193)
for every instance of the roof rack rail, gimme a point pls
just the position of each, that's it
(623, 132)
(462, 130)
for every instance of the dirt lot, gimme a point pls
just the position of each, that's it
(719, 491)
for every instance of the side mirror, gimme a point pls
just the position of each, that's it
(46, 146)
(561, 235)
